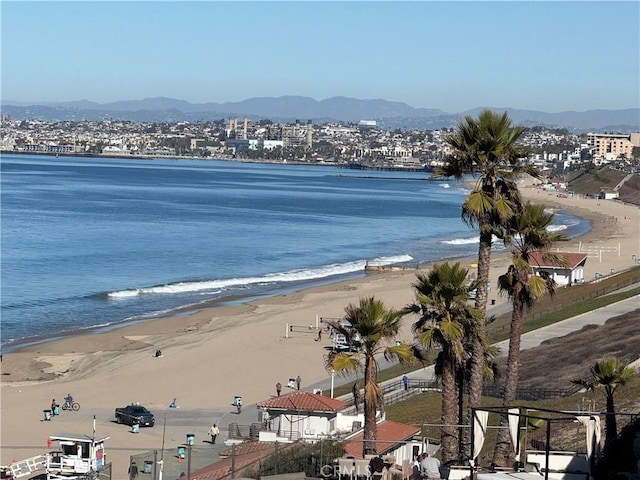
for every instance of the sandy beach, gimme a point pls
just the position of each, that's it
(216, 353)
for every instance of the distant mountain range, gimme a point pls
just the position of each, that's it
(389, 115)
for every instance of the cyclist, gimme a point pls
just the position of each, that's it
(68, 399)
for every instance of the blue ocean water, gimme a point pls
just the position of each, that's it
(92, 242)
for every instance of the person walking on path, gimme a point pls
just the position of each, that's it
(214, 431)
(298, 382)
(405, 382)
(133, 471)
(278, 388)
(356, 395)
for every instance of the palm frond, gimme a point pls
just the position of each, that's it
(343, 363)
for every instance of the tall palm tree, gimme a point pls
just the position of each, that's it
(491, 372)
(442, 301)
(526, 233)
(369, 329)
(487, 147)
(608, 374)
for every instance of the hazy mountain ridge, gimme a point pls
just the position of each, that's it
(289, 108)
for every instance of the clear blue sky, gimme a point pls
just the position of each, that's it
(543, 55)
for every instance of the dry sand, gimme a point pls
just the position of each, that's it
(213, 354)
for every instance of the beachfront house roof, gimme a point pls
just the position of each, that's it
(303, 402)
(565, 269)
(390, 437)
(239, 456)
(395, 442)
(300, 416)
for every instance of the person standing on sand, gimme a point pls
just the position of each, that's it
(278, 388)
(298, 382)
(214, 431)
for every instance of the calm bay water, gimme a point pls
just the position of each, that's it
(89, 242)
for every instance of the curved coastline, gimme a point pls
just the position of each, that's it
(235, 299)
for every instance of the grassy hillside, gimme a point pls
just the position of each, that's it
(590, 182)
(630, 191)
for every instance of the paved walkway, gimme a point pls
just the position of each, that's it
(560, 329)
(529, 340)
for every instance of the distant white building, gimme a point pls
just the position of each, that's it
(367, 124)
(242, 145)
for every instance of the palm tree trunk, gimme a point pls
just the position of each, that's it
(502, 451)
(460, 387)
(449, 412)
(370, 405)
(610, 423)
(477, 359)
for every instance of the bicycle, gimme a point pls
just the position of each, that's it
(75, 406)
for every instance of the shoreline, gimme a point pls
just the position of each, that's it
(234, 300)
(215, 353)
(231, 300)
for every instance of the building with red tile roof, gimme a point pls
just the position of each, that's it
(245, 455)
(390, 437)
(303, 402)
(567, 271)
(301, 415)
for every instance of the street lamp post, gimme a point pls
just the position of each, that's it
(333, 374)
(189, 463)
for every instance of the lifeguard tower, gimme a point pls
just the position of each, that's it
(79, 456)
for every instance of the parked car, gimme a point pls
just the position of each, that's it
(135, 414)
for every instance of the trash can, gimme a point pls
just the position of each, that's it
(237, 400)
(135, 428)
(190, 437)
(147, 466)
(180, 452)
(493, 301)
(47, 415)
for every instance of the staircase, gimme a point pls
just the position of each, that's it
(28, 466)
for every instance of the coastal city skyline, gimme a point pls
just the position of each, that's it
(453, 56)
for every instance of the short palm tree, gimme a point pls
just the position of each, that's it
(526, 233)
(487, 147)
(369, 329)
(442, 301)
(608, 374)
